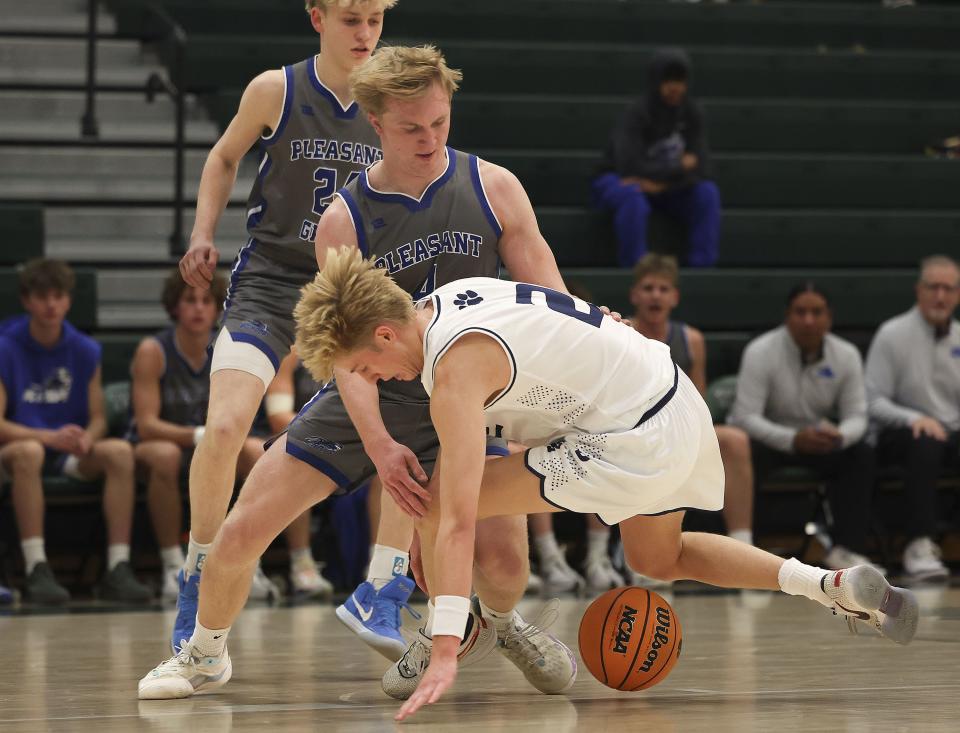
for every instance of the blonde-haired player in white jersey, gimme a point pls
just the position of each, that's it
(617, 429)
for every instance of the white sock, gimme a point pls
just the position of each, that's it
(172, 557)
(385, 564)
(547, 547)
(502, 620)
(117, 554)
(797, 579)
(597, 541)
(742, 535)
(196, 554)
(302, 556)
(33, 553)
(209, 642)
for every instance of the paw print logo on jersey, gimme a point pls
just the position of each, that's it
(468, 298)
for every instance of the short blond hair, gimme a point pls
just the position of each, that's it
(401, 72)
(325, 4)
(340, 308)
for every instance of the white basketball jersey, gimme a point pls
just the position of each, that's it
(572, 368)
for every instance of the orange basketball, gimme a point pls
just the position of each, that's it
(630, 638)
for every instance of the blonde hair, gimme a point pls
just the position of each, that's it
(338, 311)
(326, 4)
(401, 72)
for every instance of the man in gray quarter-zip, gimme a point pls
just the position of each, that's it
(913, 387)
(800, 397)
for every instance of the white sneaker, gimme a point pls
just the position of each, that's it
(840, 557)
(601, 575)
(647, 582)
(534, 585)
(171, 585)
(262, 588)
(861, 593)
(403, 676)
(921, 560)
(546, 662)
(307, 582)
(185, 675)
(559, 577)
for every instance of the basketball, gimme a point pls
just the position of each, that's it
(630, 638)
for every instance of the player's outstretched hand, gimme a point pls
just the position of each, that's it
(402, 476)
(199, 264)
(438, 679)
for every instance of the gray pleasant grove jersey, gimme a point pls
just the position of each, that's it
(316, 148)
(572, 368)
(449, 233)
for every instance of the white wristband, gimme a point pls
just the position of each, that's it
(450, 616)
(278, 404)
(198, 434)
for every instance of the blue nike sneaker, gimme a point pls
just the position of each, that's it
(375, 616)
(187, 600)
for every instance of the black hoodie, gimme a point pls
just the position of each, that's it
(651, 137)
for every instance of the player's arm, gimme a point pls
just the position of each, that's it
(97, 426)
(146, 370)
(523, 249)
(259, 110)
(698, 358)
(396, 464)
(281, 394)
(472, 370)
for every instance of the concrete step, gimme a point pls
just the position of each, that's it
(121, 117)
(62, 61)
(129, 234)
(51, 16)
(93, 173)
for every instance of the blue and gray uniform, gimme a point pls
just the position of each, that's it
(316, 148)
(679, 347)
(184, 391)
(448, 234)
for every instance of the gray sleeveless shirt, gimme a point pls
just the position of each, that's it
(316, 148)
(450, 233)
(183, 391)
(679, 348)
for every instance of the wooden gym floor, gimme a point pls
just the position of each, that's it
(762, 662)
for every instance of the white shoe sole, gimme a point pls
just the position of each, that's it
(389, 648)
(159, 690)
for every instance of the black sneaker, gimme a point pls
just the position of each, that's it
(120, 584)
(43, 588)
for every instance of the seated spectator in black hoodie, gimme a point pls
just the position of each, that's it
(657, 159)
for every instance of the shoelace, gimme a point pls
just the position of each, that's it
(184, 658)
(547, 616)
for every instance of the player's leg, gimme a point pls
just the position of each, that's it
(22, 462)
(278, 489)
(113, 460)
(234, 399)
(501, 568)
(160, 461)
(261, 588)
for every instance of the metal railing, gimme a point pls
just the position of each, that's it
(174, 86)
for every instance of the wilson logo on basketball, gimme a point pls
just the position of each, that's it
(661, 638)
(624, 630)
